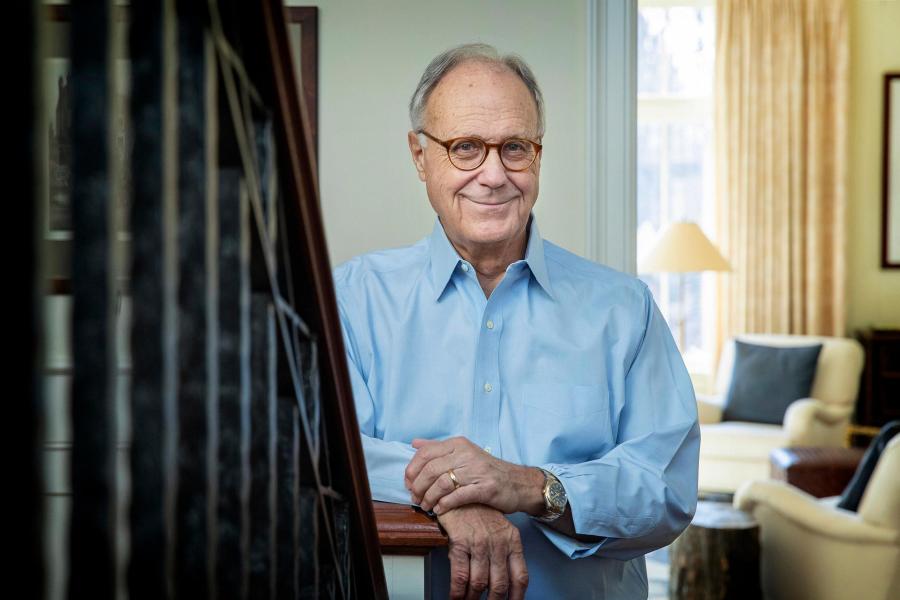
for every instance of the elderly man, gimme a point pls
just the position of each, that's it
(533, 400)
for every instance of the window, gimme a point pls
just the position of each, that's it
(676, 45)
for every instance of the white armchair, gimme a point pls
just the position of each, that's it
(732, 452)
(810, 549)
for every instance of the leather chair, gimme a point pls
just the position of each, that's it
(732, 452)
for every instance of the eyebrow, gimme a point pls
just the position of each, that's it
(517, 135)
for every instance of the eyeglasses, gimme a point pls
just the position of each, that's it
(468, 153)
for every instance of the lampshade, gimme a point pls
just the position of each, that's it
(683, 248)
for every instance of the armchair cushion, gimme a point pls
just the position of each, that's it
(741, 441)
(767, 379)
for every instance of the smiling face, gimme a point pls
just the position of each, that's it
(485, 209)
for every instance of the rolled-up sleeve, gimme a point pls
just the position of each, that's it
(641, 494)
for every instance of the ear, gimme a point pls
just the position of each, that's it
(417, 152)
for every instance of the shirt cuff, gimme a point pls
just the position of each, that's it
(567, 545)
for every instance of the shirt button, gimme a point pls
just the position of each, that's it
(465, 268)
(488, 449)
(488, 387)
(490, 324)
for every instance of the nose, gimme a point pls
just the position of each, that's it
(492, 173)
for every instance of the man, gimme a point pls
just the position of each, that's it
(533, 400)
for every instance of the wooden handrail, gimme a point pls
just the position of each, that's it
(403, 530)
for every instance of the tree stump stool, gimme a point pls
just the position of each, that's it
(717, 556)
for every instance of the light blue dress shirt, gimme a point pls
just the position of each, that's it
(569, 365)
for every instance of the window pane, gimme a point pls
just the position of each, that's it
(648, 160)
(675, 50)
(689, 147)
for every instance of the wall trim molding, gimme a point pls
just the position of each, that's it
(611, 190)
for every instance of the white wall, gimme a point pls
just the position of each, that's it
(371, 55)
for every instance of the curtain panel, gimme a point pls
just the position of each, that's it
(781, 128)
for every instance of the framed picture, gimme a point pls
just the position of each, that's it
(890, 212)
(56, 121)
(57, 108)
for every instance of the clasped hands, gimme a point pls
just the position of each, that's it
(485, 549)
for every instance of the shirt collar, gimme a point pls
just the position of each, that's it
(534, 256)
(445, 258)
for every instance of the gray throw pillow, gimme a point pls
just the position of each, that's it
(767, 379)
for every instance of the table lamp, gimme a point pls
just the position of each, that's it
(683, 248)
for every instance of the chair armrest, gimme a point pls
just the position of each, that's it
(709, 408)
(811, 422)
(802, 509)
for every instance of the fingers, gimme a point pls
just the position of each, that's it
(441, 487)
(459, 572)
(481, 481)
(499, 585)
(518, 575)
(485, 554)
(467, 494)
(479, 573)
(427, 450)
(432, 473)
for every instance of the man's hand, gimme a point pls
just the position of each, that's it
(483, 479)
(485, 553)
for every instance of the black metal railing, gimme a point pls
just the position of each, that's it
(244, 475)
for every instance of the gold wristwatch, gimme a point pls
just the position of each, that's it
(555, 498)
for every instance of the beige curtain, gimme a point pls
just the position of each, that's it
(781, 124)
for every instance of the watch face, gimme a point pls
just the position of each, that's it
(557, 495)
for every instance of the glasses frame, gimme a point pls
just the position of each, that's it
(448, 143)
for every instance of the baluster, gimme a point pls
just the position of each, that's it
(91, 559)
(195, 526)
(152, 346)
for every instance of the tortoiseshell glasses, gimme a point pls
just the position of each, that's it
(468, 153)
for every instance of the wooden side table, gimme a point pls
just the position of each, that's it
(717, 556)
(815, 470)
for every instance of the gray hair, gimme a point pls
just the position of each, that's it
(446, 61)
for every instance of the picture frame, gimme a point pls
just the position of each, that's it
(55, 121)
(57, 114)
(890, 208)
(56, 110)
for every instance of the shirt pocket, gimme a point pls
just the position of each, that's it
(565, 423)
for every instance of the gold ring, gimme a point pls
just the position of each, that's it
(456, 483)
